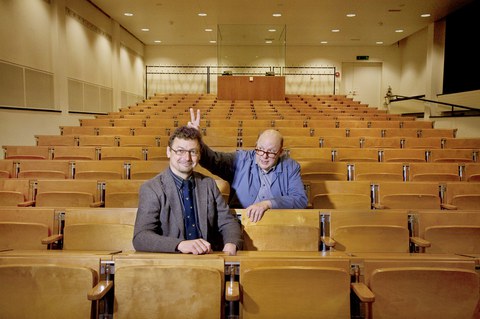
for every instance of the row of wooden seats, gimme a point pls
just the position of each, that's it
(331, 194)
(256, 271)
(309, 230)
(310, 169)
(290, 141)
(61, 193)
(70, 135)
(281, 286)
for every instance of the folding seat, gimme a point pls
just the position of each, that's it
(328, 132)
(78, 130)
(97, 140)
(222, 131)
(339, 142)
(99, 170)
(163, 132)
(289, 123)
(440, 232)
(434, 172)
(66, 193)
(438, 132)
(96, 229)
(380, 142)
(113, 131)
(462, 143)
(295, 131)
(419, 289)
(7, 169)
(356, 155)
(54, 140)
(352, 124)
(313, 170)
(364, 132)
(401, 132)
(137, 122)
(24, 228)
(402, 155)
(300, 141)
(282, 230)
(373, 172)
(356, 231)
(96, 122)
(155, 153)
(418, 124)
(461, 195)
(27, 152)
(383, 124)
(319, 123)
(142, 140)
(49, 287)
(451, 155)
(294, 288)
(75, 153)
(421, 142)
(14, 191)
(339, 194)
(40, 169)
(123, 153)
(220, 140)
(196, 286)
(266, 123)
(471, 172)
(310, 153)
(406, 195)
(143, 170)
(122, 193)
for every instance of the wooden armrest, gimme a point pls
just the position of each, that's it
(328, 241)
(97, 204)
(363, 292)
(51, 239)
(448, 206)
(100, 290)
(28, 203)
(420, 242)
(232, 291)
(378, 206)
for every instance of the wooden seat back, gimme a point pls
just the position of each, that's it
(282, 230)
(67, 193)
(462, 195)
(122, 193)
(294, 288)
(195, 286)
(407, 195)
(339, 194)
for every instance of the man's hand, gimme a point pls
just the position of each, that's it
(255, 211)
(230, 249)
(195, 246)
(194, 121)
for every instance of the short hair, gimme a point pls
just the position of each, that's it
(185, 133)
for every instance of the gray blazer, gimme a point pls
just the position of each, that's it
(159, 225)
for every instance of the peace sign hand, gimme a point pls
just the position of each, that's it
(194, 121)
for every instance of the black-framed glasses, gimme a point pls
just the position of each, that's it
(262, 152)
(182, 152)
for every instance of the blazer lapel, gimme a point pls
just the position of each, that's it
(171, 192)
(201, 194)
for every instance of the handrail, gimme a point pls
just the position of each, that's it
(397, 98)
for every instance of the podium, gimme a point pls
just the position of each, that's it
(231, 87)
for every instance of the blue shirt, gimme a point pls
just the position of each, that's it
(242, 172)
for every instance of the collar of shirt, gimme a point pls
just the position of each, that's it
(178, 180)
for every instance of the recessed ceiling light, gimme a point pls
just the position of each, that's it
(323, 42)
(351, 15)
(268, 41)
(336, 30)
(425, 15)
(399, 30)
(379, 42)
(272, 30)
(128, 14)
(208, 30)
(213, 41)
(202, 14)
(158, 41)
(145, 29)
(277, 15)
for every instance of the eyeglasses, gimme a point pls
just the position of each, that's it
(262, 152)
(181, 152)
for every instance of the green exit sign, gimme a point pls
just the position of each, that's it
(362, 57)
